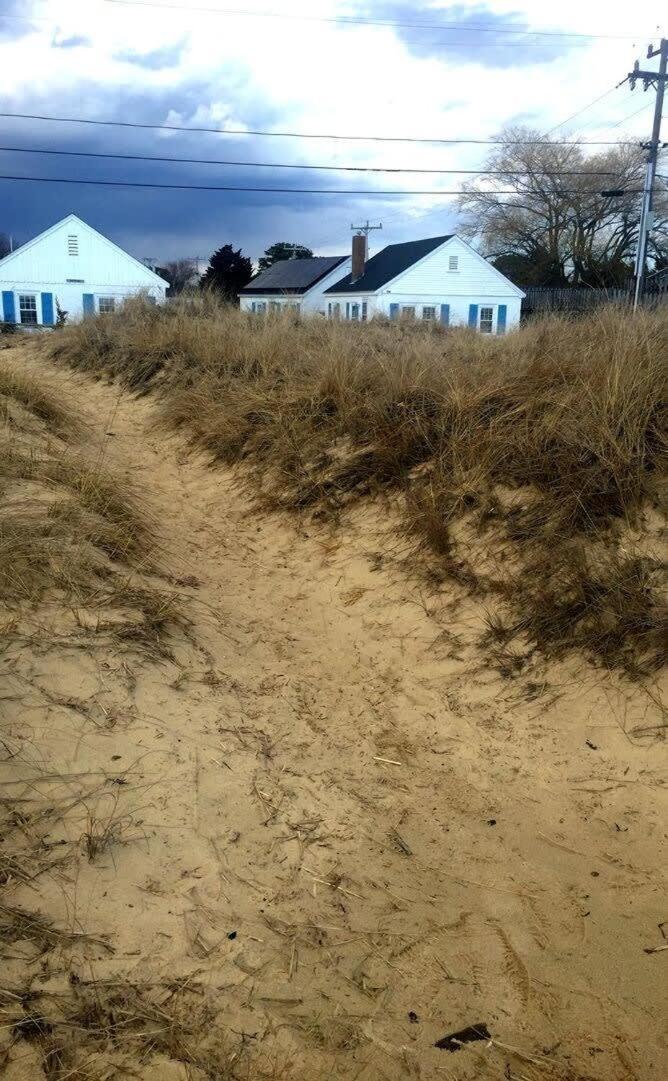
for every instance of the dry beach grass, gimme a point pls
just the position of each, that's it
(547, 446)
(304, 762)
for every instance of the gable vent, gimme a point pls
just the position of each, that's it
(73, 245)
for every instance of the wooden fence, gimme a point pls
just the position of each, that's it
(541, 300)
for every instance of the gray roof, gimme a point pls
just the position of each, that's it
(387, 264)
(292, 275)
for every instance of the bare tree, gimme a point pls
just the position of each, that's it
(180, 273)
(561, 223)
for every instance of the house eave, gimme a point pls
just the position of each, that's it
(274, 292)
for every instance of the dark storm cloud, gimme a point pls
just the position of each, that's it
(167, 57)
(168, 224)
(460, 37)
(165, 224)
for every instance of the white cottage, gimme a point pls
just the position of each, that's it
(73, 268)
(440, 279)
(298, 284)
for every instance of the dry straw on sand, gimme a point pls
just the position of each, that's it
(541, 451)
(69, 530)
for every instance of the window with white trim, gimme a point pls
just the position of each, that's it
(428, 312)
(365, 310)
(259, 306)
(354, 311)
(408, 311)
(274, 305)
(486, 322)
(453, 262)
(106, 305)
(28, 308)
(73, 244)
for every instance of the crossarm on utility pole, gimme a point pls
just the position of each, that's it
(658, 79)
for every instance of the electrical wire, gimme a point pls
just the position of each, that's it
(296, 165)
(645, 105)
(354, 20)
(284, 191)
(584, 108)
(305, 135)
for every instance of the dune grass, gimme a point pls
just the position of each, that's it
(546, 444)
(72, 534)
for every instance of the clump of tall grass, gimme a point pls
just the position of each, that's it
(72, 534)
(548, 440)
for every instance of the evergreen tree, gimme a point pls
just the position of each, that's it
(283, 250)
(227, 273)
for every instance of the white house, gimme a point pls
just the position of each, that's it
(440, 279)
(299, 284)
(72, 267)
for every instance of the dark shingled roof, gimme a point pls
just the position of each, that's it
(385, 266)
(292, 275)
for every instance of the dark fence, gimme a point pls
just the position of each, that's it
(542, 300)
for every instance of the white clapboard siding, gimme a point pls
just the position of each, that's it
(474, 277)
(311, 301)
(453, 285)
(71, 260)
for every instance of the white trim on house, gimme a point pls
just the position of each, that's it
(510, 286)
(71, 268)
(13, 255)
(452, 296)
(311, 301)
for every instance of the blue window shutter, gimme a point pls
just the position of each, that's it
(89, 304)
(445, 315)
(8, 307)
(473, 315)
(501, 319)
(47, 309)
(394, 311)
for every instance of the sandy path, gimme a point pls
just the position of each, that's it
(336, 815)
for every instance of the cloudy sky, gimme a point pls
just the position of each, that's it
(387, 68)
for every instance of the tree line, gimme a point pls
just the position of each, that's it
(569, 219)
(545, 214)
(228, 270)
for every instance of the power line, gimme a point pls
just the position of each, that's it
(344, 20)
(354, 20)
(645, 105)
(448, 45)
(308, 135)
(584, 108)
(295, 165)
(292, 191)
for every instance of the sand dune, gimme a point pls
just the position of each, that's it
(320, 832)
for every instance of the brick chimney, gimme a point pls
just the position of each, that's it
(359, 256)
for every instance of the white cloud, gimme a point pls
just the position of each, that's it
(314, 76)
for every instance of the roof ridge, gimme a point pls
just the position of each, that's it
(388, 263)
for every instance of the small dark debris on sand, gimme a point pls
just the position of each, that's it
(454, 1041)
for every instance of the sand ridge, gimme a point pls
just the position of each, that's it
(334, 817)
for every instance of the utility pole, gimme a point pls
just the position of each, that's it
(656, 79)
(364, 230)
